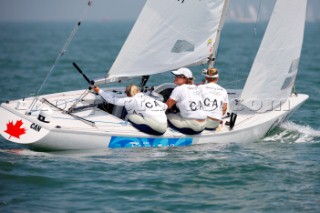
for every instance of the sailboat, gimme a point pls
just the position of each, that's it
(167, 35)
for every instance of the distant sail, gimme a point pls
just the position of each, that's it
(169, 34)
(275, 67)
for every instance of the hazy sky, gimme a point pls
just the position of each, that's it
(34, 10)
(104, 10)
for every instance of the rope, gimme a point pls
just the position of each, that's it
(294, 91)
(63, 50)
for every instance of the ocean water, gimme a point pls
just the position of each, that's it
(279, 173)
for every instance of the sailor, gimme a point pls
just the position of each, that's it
(144, 112)
(215, 98)
(191, 119)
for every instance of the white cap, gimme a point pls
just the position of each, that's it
(183, 71)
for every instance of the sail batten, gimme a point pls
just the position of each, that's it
(167, 35)
(275, 67)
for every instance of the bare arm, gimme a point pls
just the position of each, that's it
(170, 103)
(224, 108)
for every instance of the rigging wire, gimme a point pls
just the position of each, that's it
(63, 50)
(257, 19)
(254, 35)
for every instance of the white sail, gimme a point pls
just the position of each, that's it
(169, 34)
(275, 67)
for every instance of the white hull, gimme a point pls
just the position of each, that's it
(65, 132)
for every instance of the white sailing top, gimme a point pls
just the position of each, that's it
(189, 101)
(141, 104)
(214, 96)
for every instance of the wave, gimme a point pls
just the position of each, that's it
(290, 132)
(23, 152)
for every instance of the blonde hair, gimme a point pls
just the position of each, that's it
(211, 72)
(189, 80)
(132, 90)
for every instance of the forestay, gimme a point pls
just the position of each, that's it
(275, 67)
(169, 34)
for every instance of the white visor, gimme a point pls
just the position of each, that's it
(214, 76)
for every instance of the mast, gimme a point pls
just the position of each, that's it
(213, 56)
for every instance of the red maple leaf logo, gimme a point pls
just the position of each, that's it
(15, 130)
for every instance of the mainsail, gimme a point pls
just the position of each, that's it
(275, 67)
(169, 34)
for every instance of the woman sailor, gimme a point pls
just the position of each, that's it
(215, 99)
(191, 119)
(144, 112)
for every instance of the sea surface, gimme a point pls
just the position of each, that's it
(279, 173)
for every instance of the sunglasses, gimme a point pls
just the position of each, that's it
(180, 76)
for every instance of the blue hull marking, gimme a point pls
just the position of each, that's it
(127, 142)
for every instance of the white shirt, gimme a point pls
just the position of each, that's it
(141, 104)
(189, 101)
(214, 96)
